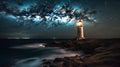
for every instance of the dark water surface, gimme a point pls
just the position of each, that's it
(17, 57)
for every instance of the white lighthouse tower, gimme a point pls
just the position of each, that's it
(80, 31)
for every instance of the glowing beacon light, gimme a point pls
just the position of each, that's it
(80, 32)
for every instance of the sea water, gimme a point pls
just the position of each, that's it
(28, 53)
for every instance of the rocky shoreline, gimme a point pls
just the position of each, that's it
(97, 53)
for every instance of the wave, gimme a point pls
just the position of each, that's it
(42, 53)
(30, 46)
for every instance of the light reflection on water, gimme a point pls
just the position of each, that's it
(31, 55)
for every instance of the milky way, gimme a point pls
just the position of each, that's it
(48, 13)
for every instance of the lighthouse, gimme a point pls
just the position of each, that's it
(80, 31)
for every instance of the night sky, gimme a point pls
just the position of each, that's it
(106, 25)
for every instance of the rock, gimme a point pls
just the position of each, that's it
(58, 60)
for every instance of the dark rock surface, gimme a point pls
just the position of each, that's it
(98, 53)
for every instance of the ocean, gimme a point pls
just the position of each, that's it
(29, 53)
